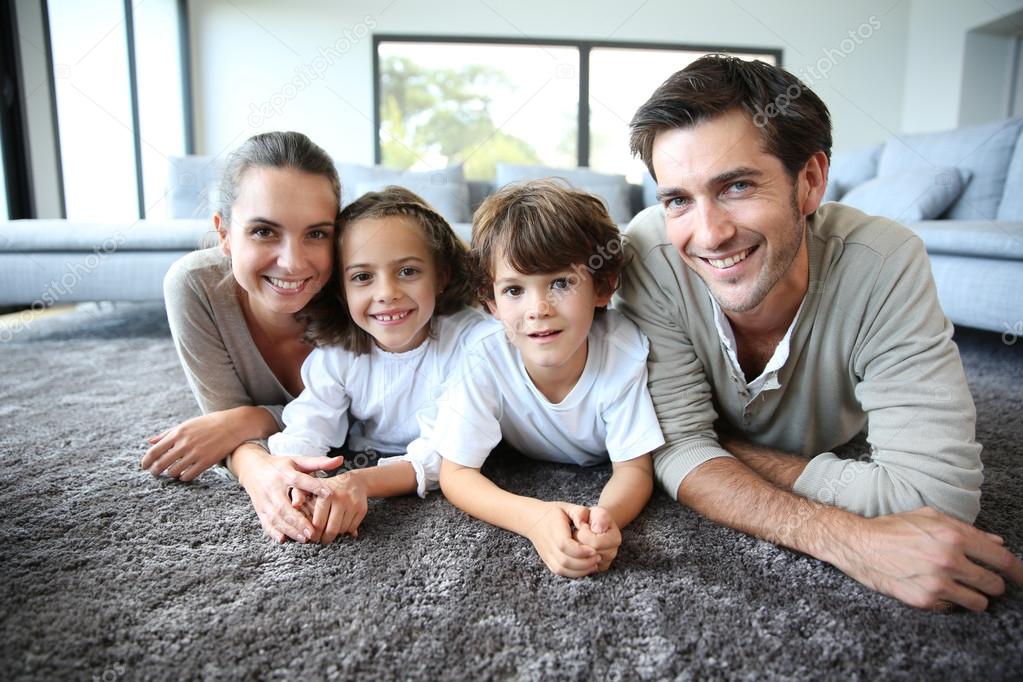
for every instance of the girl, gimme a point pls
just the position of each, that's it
(233, 314)
(405, 288)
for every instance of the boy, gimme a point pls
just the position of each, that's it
(555, 375)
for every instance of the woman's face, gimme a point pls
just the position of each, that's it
(280, 237)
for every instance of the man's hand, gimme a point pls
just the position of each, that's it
(928, 560)
(602, 534)
(552, 538)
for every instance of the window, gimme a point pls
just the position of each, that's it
(443, 101)
(120, 104)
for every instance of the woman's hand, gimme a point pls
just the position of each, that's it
(268, 479)
(193, 446)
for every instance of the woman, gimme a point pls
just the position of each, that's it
(233, 314)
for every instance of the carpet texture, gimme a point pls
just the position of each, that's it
(108, 573)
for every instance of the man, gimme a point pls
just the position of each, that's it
(796, 327)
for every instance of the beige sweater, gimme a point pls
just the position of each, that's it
(871, 350)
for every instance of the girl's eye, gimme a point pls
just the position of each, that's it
(408, 272)
(361, 277)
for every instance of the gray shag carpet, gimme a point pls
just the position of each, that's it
(108, 573)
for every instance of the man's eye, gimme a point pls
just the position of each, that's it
(677, 202)
(740, 186)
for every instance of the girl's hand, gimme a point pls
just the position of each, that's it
(600, 532)
(268, 479)
(192, 446)
(342, 511)
(552, 538)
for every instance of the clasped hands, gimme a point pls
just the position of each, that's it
(575, 541)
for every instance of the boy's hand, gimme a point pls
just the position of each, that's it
(552, 538)
(342, 511)
(599, 531)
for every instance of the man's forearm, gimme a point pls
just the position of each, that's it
(730, 493)
(776, 466)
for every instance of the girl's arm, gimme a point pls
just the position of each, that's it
(548, 525)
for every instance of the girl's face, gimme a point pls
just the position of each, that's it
(280, 237)
(391, 281)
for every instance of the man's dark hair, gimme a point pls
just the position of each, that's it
(794, 123)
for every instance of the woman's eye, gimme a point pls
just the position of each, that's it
(261, 232)
(319, 234)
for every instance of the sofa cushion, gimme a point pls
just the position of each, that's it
(27, 236)
(353, 175)
(613, 189)
(450, 200)
(192, 186)
(909, 197)
(1011, 207)
(851, 169)
(981, 238)
(984, 150)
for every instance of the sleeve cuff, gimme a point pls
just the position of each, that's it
(283, 445)
(674, 462)
(426, 466)
(821, 479)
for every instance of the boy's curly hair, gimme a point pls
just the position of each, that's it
(326, 316)
(544, 226)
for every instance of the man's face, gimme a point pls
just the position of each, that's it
(732, 212)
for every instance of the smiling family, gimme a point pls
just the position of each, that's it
(738, 336)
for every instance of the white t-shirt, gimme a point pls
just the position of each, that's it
(372, 399)
(608, 414)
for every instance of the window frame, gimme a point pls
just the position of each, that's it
(583, 46)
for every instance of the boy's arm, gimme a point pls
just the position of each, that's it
(548, 525)
(628, 490)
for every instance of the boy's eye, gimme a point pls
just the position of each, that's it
(512, 291)
(562, 283)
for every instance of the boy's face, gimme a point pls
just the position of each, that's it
(547, 316)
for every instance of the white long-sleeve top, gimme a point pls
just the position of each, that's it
(372, 400)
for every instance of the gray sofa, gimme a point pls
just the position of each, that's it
(961, 191)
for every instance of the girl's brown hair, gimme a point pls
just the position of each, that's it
(326, 316)
(545, 226)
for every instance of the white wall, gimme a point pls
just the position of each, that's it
(935, 59)
(248, 54)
